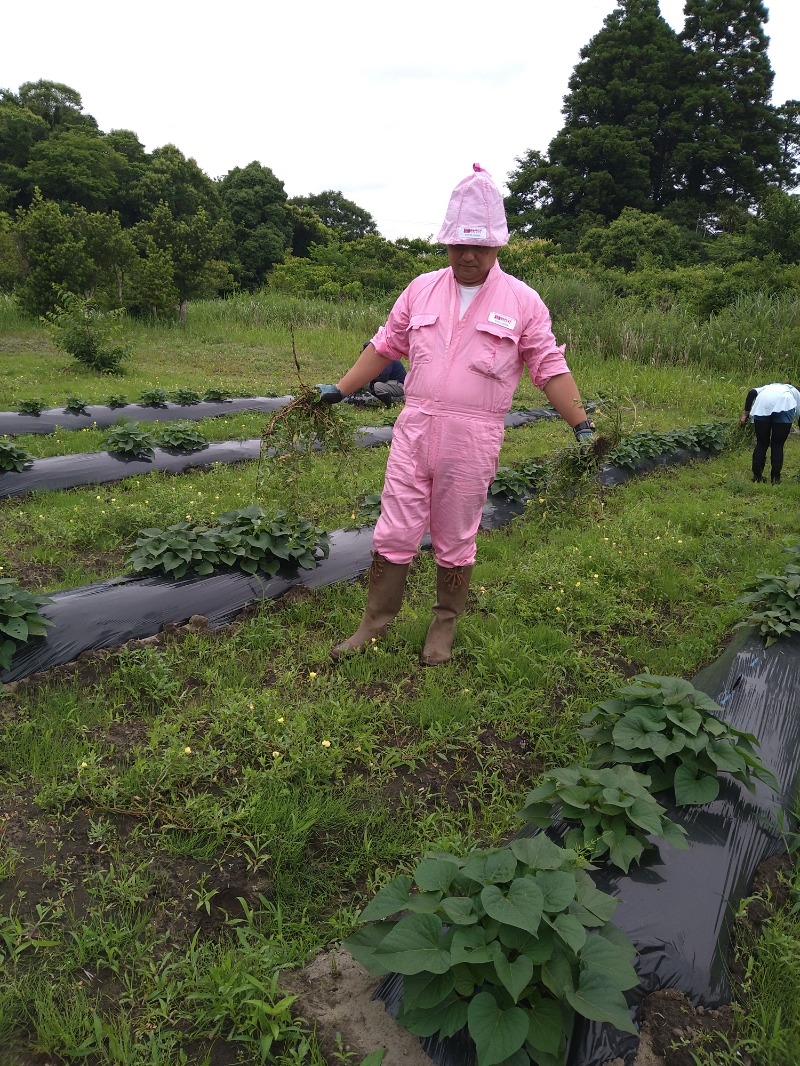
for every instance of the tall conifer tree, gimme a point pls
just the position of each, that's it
(728, 149)
(659, 121)
(615, 147)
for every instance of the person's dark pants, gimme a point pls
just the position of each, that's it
(770, 436)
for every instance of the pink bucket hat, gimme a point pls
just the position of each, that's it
(475, 214)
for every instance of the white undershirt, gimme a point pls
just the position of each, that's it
(467, 294)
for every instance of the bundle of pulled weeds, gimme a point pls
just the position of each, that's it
(306, 425)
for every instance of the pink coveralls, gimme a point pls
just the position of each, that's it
(461, 381)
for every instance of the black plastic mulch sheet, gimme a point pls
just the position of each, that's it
(677, 907)
(113, 612)
(15, 423)
(97, 468)
(617, 475)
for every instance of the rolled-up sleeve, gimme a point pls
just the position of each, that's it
(543, 357)
(391, 340)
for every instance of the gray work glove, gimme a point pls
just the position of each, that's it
(329, 394)
(584, 431)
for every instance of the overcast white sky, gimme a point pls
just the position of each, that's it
(390, 104)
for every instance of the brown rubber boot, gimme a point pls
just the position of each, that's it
(384, 599)
(452, 588)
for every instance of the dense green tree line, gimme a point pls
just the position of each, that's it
(671, 179)
(94, 213)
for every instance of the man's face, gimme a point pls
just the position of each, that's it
(471, 262)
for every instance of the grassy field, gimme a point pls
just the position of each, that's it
(182, 820)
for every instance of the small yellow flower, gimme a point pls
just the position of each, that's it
(352, 516)
(251, 706)
(312, 674)
(577, 584)
(276, 755)
(358, 748)
(326, 743)
(558, 608)
(187, 750)
(281, 720)
(595, 576)
(84, 765)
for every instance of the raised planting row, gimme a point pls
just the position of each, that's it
(183, 554)
(155, 407)
(134, 451)
(509, 955)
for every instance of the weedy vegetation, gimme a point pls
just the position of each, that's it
(186, 820)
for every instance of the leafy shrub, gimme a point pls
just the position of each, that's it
(249, 539)
(116, 400)
(369, 508)
(613, 807)
(175, 550)
(130, 439)
(76, 405)
(712, 437)
(639, 446)
(33, 406)
(19, 619)
(216, 395)
(153, 398)
(510, 943)
(185, 396)
(780, 594)
(12, 457)
(181, 437)
(256, 540)
(518, 481)
(90, 336)
(669, 730)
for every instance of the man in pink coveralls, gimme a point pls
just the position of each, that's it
(468, 332)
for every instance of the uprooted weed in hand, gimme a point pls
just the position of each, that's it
(302, 426)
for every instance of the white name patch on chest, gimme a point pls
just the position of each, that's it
(502, 320)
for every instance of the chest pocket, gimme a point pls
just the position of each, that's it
(499, 352)
(422, 338)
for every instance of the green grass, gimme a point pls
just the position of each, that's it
(768, 1009)
(186, 818)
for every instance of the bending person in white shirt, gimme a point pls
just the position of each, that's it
(772, 409)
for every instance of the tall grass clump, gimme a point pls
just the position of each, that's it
(743, 337)
(265, 310)
(11, 317)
